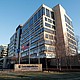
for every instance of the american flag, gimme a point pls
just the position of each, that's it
(25, 47)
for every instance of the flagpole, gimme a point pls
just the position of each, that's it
(19, 57)
(38, 53)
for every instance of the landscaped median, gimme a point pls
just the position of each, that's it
(12, 75)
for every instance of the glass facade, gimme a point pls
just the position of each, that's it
(33, 32)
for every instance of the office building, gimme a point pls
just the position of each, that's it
(48, 33)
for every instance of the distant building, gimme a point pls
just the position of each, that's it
(3, 55)
(48, 33)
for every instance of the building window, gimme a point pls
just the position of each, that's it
(48, 25)
(54, 22)
(47, 13)
(31, 21)
(53, 27)
(25, 27)
(39, 13)
(43, 11)
(49, 20)
(51, 48)
(49, 31)
(35, 17)
(51, 37)
(45, 19)
(23, 54)
(52, 15)
(42, 48)
(46, 35)
(48, 42)
(37, 27)
(45, 47)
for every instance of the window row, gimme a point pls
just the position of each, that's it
(39, 13)
(49, 31)
(70, 31)
(13, 37)
(32, 37)
(48, 42)
(69, 27)
(34, 18)
(36, 44)
(27, 33)
(71, 41)
(70, 36)
(39, 49)
(72, 46)
(49, 36)
(50, 26)
(32, 27)
(50, 48)
(68, 20)
(49, 20)
(50, 14)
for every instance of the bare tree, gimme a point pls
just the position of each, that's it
(60, 51)
(78, 44)
(68, 57)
